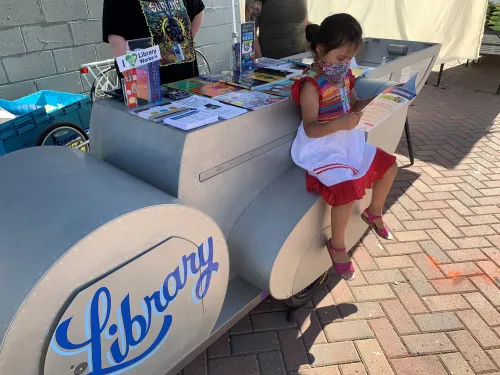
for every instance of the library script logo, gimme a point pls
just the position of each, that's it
(129, 331)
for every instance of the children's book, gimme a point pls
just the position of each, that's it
(265, 62)
(214, 77)
(248, 99)
(191, 119)
(158, 113)
(386, 103)
(279, 88)
(186, 84)
(303, 62)
(215, 89)
(266, 77)
(224, 111)
(243, 81)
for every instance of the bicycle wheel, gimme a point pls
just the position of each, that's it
(107, 80)
(65, 134)
(204, 65)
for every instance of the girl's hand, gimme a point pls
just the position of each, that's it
(350, 120)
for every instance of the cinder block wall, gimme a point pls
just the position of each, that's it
(44, 42)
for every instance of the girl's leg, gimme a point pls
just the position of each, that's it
(379, 193)
(340, 219)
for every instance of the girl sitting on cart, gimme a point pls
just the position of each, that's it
(340, 164)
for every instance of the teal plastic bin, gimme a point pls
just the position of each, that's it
(35, 112)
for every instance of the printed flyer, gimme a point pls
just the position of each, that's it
(392, 99)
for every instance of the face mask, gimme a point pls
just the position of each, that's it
(334, 72)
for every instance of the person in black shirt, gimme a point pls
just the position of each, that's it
(172, 25)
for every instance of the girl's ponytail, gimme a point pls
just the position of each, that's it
(312, 35)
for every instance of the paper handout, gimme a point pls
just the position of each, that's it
(392, 99)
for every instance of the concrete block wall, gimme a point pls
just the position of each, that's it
(44, 42)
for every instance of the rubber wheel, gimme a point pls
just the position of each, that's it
(307, 293)
(61, 126)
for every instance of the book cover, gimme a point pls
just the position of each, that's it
(279, 88)
(265, 62)
(224, 111)
(248, 99)
(186, 85)
(265, 77)
(214, 89)
(190, 119)
(244, 81)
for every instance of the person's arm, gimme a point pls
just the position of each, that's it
(358, 105)
(118, 45)
(196, 23)
(309, 103)
(253, 11)
(306, 21)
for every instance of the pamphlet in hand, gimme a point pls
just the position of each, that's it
(392, 99)
(224, 111)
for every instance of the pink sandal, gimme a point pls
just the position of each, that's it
(369, 219)
(344, 270)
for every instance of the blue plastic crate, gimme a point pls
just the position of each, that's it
(33, 118)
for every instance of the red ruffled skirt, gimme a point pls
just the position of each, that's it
(351, 190)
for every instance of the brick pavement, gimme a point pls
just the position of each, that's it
(426, 303)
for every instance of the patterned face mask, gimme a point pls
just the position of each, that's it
(334, 72)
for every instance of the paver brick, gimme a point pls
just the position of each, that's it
(366, 310)
(409, 236)
(471, 351)
(271, 363)
(444, 321)
(488, 288)
(427, 214)
(388, 338)
(495, 355)
(269, 321)
(478, 328)
(493, 254)
(460, 269)
(328, 370)
(253, 343)
(243, 326)
(293, 349)
(455, 285)
(372, 293)
(310, 328)
(409, 298)
(435, 252)
(219, 348)
(448, 228)
(427, 266)
(353, 369)
(326, 308)
(373, 357)
(363, 259)
(419, 282)
(456, 364)
(441, 239)
(341, 293)
(350, 330)
(446, 302)
(197, 367)
(402, 261)
(399, 317)
(454, 217)
(403, 248)
(234, 365)
(333, 354)
(418, 366)
(491, 270)
(428, 343)
(383, 276)
(472, 242)
(477, 230)
(484, 308)
(467, 255)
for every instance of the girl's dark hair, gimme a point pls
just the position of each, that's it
(334, 32)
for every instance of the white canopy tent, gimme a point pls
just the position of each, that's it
(457, 24)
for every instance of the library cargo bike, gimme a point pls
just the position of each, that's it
(136, 257)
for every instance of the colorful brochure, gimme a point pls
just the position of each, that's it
(391, 100)
(248, 99)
